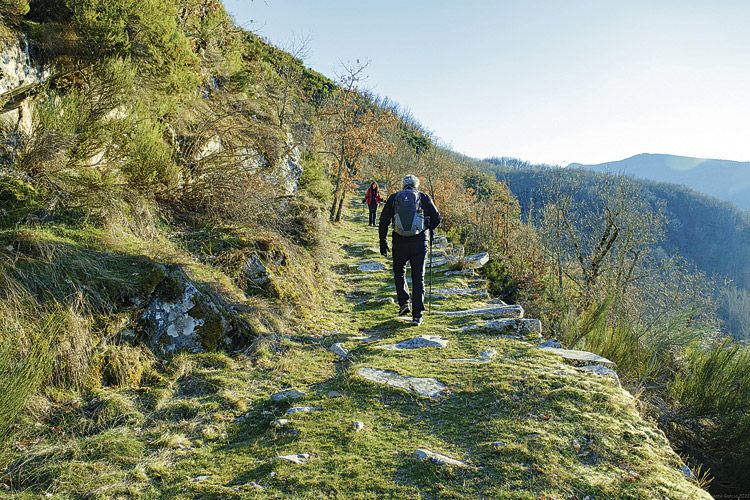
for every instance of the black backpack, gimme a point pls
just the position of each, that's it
(408, 219)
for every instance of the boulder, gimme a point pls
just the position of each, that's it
(179, 317)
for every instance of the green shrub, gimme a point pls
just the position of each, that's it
(315, 180)
(18, 199)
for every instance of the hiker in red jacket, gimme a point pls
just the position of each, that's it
(372, 198)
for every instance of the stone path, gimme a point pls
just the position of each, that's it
(504, 320)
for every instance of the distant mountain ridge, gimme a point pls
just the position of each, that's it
(724, 179)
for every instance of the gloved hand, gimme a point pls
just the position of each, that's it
(384, 248)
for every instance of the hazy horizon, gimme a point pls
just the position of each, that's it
(550, 81)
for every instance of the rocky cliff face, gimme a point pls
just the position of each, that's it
(19, 73)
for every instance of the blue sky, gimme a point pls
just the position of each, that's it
(544, 80)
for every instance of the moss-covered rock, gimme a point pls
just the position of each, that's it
(180, 317)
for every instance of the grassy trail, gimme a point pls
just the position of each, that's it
(525, 424)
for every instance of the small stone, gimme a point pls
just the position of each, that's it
(286, 395)
(358, 426)
(461, 272)
(303, 409)
(201, 479)
(255, 485)
(554, 343)
(498, 444)
(687, 472)
(437, 458)
(576, 446)
(334, 394)
(488, 354)
(280, 422)
(299, 459)
(339, 350)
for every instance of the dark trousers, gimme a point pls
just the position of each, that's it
(414, 251)
(373, 213)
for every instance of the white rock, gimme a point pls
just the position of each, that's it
(334, 394)
(521, 327)
(419, 342)
(287, 394)
(303, 409)
(477, 260)
(427, 387)
(339, 350)
(280, 422)
(602, 371)
(372, 267)
(437, 458)
(299, 459)
(358, 426)
(580, 358)
(488, 354)
(201, 479)
(461, 272)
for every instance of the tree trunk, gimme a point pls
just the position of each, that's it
(341, 204)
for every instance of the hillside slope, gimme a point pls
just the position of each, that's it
(523, 423)
(724, 179)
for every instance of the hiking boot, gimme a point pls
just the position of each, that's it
(417, 321)
(404, 310)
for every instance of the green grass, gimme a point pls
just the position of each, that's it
(210, 415)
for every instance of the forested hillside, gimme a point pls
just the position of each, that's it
(182, 258)
(711, 235)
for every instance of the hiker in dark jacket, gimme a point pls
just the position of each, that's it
(414, 218)
(372, 198)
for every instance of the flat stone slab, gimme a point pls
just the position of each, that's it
(371, 267)
(427, 387)
(419, 342)
(286, 395)
(477, 260)
(299, 459)
(339, 349)
(438, 261)
(438, 459)
(501, 311)
(521, 327)
(602, 371)
(461, 272)
(580, 358)
(303, 409)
